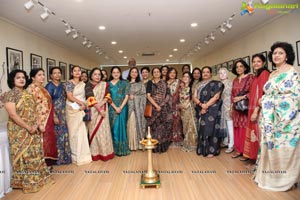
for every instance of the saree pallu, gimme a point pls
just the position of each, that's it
(209, 135)
(279, 156)
(45, 118)
(161, 122)
(136, 125)
(79, 144)
(118, 122)
(100, 134)
(58, 96)
(29, 170)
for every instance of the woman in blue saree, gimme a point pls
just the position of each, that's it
(118, 111)
(58, 96)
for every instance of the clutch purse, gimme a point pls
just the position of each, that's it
(242, 105)
(148, 110)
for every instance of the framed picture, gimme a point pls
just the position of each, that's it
(230, 65)
(36, 61)
(63, 67)
(298, 51)
(218, 68)
(14, 59)
(50, 63)
(70, 70)
(213, 69)
(247, 60)
(225, 65)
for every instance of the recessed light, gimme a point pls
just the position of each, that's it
(113, 42)
(170, 56)
(182, 40)
(120, 51)
(125, 57)
(167, 60)
(101, 27)
(194, 24)
(175, 49)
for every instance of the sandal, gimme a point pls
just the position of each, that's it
(210, 156)
(236, 155)
(243, 159)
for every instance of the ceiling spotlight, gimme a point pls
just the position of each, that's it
(170, 56)
(101, 27)
(212, 37)
(113, 42)
(85, 41)
(194, 24)
(106, 57)
(98, 51)
(228, 25)
(120, 51)
(68, 31)
(206, 41)
(75, 35)
(89, 45)
(29, 5)
(125, 57)
(175, 49)
(199, 47)
(222, 29)
(182, 40)
(45, 14)
(167, 60)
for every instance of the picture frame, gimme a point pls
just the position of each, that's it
(298, 51)
(265, 53)
(50, 63)
(63, 67)
(36, 61)
(70, 70)
(247, 60)
(230, 65)
(225, 65)
(14, 59)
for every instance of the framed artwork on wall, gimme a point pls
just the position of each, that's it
(63, 67)
(247, 60)
(50, 63)
(298, 51)
(230, 65)
(36, 61)
(14, 59)
(225, 65)
(70, 70)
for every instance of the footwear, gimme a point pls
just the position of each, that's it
(229, 150)
(243, 159)
(210, 156)
(235, 155)
(223, 145)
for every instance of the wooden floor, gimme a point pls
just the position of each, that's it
(184, 176)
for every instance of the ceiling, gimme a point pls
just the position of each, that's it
(138, 26)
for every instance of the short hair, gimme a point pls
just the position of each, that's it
(206, 67)
(53, 68)
(169, 71)
(226, 71)
(112, 69)
(138, 79)
(92, 71)
(185, 65)
(288, 48)
(11, 78)
(247, 70)
(159, 69)
(145, 68)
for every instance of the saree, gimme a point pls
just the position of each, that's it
(252, 131)
(188, 120)
(176, 135)
(29, 170)
(45, 112)
(58, 96)
(100, 134)
(136, 125)
(278, 162)
(161, 122)
(80, 151)
(209, 136)
(118, 122)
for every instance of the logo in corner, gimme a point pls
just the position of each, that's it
(247, 8)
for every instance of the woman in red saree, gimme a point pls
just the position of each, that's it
(45, 114)
(100, 134)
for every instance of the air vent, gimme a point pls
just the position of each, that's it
(148, 54)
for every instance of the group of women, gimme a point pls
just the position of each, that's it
(92, 119)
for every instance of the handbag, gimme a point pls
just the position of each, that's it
(87, 116)
(242, 105)
(148, 110)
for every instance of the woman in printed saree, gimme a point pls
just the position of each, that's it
(57, 92)
(96, 92)
(118, 111)
(188, 114)
(240, 90)
(226, 119)
(197, 76)
(136, 125)
(279, 158)
(158, 94)
(29, 170)
(80, 151)
(209, 102)
(256, 91)
(45, 114)
(174, 86)
(145, 75)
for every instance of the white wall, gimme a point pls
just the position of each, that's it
(285, 28)
(17, 37)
